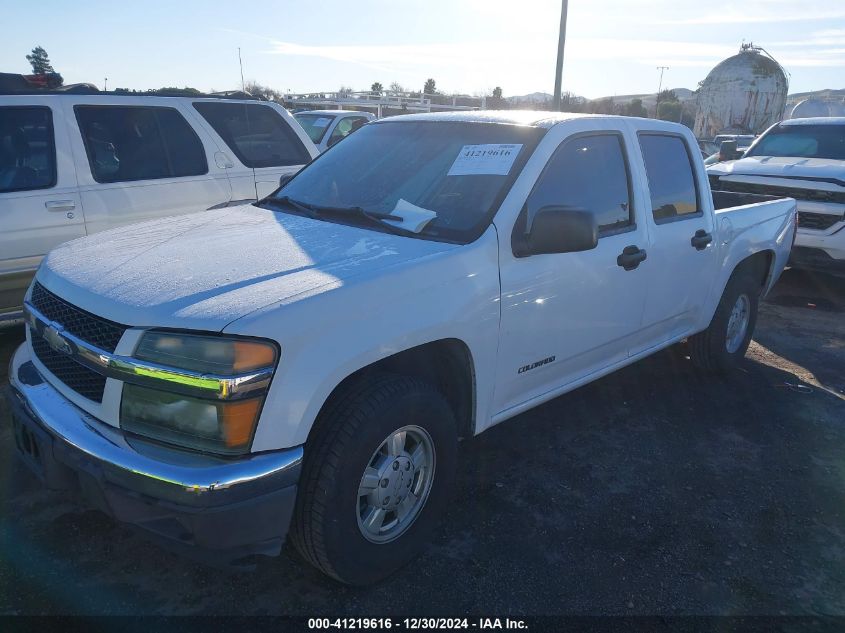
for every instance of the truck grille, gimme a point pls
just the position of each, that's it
(817, 221)
(93, 329)
(798, 193)
(87, 383)
(101, 332)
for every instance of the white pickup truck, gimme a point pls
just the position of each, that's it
(803, 159)
(307, 364)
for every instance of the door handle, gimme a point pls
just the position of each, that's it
(631, 257)
(701, 239)
(60, 205)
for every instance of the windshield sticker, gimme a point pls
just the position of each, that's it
(321, 122)
(485, 160)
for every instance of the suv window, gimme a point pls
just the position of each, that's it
(126, 143)
(670, 177)
(27, 149)
(588, 172)
(256, 133)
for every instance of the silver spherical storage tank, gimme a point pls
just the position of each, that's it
(810, 108)
(744, 94)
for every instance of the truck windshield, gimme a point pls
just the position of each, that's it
(802, 141)
(459, 171)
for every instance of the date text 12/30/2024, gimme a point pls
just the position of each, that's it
(414, 624)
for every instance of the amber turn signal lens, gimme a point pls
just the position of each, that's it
(238, 420)
(249, 356)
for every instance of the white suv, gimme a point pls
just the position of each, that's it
(75, 164)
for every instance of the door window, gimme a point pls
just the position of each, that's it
(590, 173)
(257, 134)
(674, 194)
(345, 127)
(126, 143)
(27, 149)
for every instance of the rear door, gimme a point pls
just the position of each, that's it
(139, 158)
(683, 268)
(264, 138)
(40, 206)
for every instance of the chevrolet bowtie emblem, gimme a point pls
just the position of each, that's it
(55, 339)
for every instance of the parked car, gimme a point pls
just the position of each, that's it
(327, 127)
(306, 365)
(75, 164)
(803, 159)
(742, 140)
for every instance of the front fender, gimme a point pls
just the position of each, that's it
(330, 335)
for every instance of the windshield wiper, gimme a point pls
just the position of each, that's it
(296, 204)
(315, 211)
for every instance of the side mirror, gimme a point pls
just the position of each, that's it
(285, 179)
(728, 151)
(559, 229)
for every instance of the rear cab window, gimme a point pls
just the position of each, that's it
(588, 172)
(27, 149)
(126, 143)
(671, 177)
(257, 134)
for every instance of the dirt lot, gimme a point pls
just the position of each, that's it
(653, 491)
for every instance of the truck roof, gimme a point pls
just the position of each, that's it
(534, 118)
(822, 120)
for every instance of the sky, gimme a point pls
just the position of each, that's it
(468, 46)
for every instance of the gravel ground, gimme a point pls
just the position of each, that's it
(653, 491)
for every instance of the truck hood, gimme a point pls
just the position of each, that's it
(205, 270)
(780, 167)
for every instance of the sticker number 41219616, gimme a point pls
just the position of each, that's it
(485, 160)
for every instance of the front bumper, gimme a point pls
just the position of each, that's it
(219, 510)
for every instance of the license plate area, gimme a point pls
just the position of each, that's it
(29, 448)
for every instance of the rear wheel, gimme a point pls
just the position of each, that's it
(720, 347)
(378, 473)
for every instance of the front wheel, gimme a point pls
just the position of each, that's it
(720, 347)
(378, 473)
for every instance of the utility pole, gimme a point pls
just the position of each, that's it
(659, 86)
(240, 62)
(560, 43)
(105, 84)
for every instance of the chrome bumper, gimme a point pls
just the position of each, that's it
(201, 500)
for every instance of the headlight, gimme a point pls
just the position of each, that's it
(199, 392)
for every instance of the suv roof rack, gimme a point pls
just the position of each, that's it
(16, 84)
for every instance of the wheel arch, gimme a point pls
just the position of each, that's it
(445, 363)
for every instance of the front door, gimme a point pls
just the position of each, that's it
(567, 316)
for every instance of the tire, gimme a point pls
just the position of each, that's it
(329, 525)
(713, 350)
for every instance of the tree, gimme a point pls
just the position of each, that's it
(263, 92)
(497, 92)
(376, 89)
(345, 91)
(41, 66)
(669, 110)
(430, 87)
(396, 87)
(40, 61)
(636, 108)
